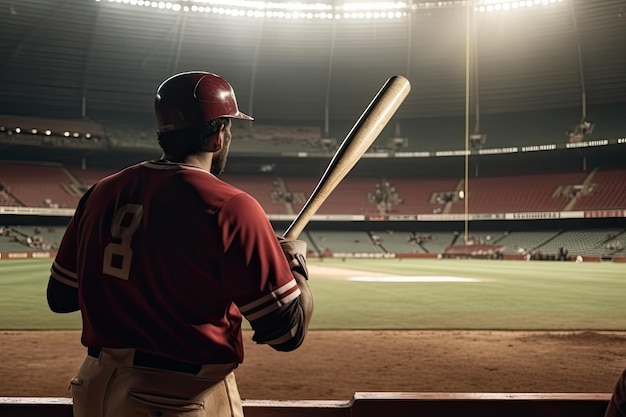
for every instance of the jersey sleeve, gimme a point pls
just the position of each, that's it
(258, 274)
(63, 267)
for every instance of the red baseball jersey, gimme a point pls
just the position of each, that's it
(166, 258)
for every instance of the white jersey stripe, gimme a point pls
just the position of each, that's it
(64, 280)
(63, 275)
(274, 295)
(272, 307)
(64, 271)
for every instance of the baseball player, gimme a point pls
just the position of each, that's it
(163, 259)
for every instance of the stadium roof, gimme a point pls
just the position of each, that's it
(74, 58)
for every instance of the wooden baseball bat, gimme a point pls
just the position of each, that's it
(356, 143)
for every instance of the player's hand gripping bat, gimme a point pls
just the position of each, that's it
(361, 136)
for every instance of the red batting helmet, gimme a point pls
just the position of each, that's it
(194, 98)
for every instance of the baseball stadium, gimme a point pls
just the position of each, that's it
(471, 260)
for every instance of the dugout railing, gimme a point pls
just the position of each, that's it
(376, 404)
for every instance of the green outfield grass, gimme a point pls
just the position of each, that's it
(512, 295)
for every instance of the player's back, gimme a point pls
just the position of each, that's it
(152, 251)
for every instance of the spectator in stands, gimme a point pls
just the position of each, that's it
(166, 260)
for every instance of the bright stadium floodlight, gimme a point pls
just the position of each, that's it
(490, 6)
(324, 11)
(386, 6)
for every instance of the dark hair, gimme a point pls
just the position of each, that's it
(191, 140)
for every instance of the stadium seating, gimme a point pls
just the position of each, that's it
(38, 185)
(10, 244)
(418, 194)
(300, 189)
(581, 242)
(526, 241)
(351, 197)
(344, 242)
(518, 193)
(87, 177)
(7, 199)
(30, 238)
(439, 241)
(263, 188)
(607, 191)
(397, 242)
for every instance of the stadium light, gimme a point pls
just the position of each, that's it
(324, 11)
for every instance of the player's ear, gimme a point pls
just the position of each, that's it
(216, 141)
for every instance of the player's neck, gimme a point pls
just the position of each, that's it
(202, 161)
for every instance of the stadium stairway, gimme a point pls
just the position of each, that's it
(376, 404)
(583, 191)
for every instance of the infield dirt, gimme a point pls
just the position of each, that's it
(336, 364)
